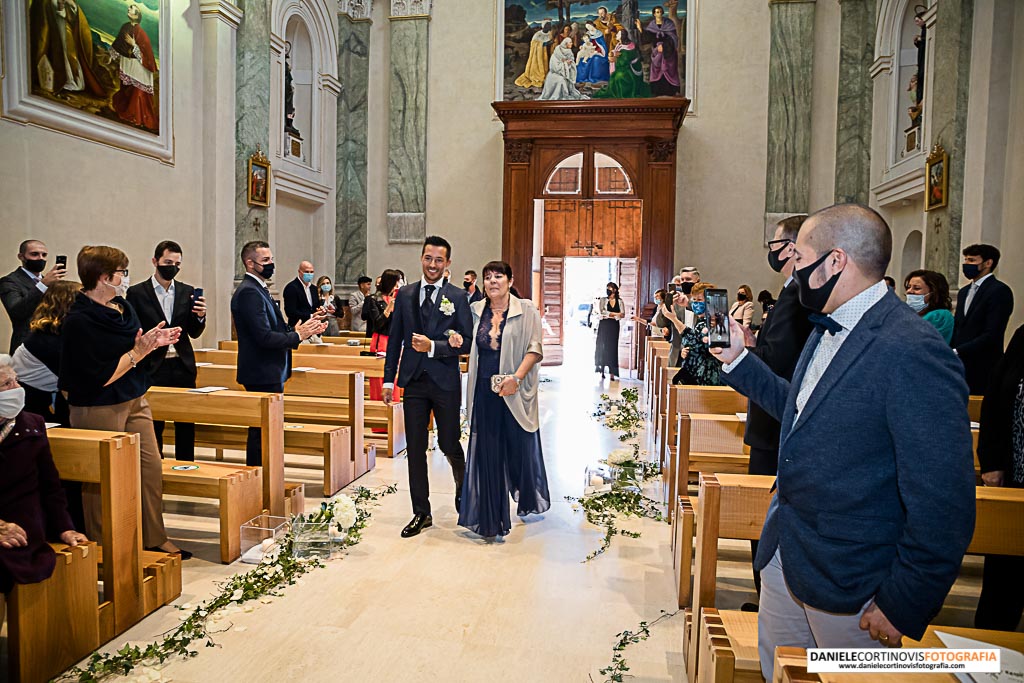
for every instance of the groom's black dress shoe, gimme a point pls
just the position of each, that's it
(418, 524)
(458, 498)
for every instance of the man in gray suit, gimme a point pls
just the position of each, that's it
(23, 289)
(875, 500)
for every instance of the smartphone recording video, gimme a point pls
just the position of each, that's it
(670, 288)
(717, 311)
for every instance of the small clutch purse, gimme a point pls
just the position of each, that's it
(496, 381)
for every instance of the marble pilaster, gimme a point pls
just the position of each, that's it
(946, 117)
(407, 139)
(252, 120)
(350, 222)
(787, 188)
(854, 105)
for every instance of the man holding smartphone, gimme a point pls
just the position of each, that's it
(163, 299)
(23, 288)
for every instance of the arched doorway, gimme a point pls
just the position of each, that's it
(621, 151)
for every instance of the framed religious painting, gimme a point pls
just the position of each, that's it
(95, 69)
(259, 179)
(589, 49)
(936, 174)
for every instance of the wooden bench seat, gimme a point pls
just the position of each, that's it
(54, 623)
(332, 411)
(706, 443)
(238, 489)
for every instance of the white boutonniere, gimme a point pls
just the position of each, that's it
(447, 307)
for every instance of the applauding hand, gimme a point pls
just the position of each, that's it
(307, 329)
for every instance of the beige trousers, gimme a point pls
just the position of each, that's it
(133, 417)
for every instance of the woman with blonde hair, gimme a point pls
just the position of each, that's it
(37, 360)
(102, 345)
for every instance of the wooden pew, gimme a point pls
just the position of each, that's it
(55, 623)
(683, 398)
(135, 582)
(665, 374)
(369, 366)
(236, 408)
(791, 662)
(706, 443)
(724, 636)
(653, 348)
(659, 358)
(974, 407)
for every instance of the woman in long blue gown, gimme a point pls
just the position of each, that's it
(504, 455)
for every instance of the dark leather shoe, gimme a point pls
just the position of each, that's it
(418, 524)
(458, 498)
(185, 555)
(748, 607)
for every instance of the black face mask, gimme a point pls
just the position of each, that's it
(609, 291)
(35, 265)
(267, 271)
(466, 284)
(741, 297)
(168, 272)
(686, 287)
(776, 263)
(811, 298)
(971, 270)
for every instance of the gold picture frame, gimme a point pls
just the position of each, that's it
(258, 186)
(936, 177)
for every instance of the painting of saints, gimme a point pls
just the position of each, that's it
(134, 102)
(537, 62)
(258, 186)
(661, 31)
(592, 65)
(627, 80)
(560, 83)
(608, 25)
(62, 53)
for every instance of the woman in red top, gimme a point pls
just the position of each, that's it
(379, 307)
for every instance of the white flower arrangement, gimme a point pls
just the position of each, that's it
(447, 307)
(620, 456)
(345, 511)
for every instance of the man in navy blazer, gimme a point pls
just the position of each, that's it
(426, 315)
(983, 309)
(265, 341)
(875, 501)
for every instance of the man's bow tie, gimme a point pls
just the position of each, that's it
(824, 323)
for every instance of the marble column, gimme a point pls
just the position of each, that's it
(252, 120)
(787, 187)
(350, 232)
(220, 21)
(950, 30)
(407, 131)
(854, 106)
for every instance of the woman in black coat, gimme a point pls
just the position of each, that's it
(1001, 455)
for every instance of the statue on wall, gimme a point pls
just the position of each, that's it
(917, 81)
(289, 96)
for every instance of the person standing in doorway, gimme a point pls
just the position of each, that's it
(425, 315)
(606, 351)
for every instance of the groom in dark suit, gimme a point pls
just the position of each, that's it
(875, 501)
(162, 298)
(426, 314)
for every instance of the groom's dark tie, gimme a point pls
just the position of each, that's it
(428, 292)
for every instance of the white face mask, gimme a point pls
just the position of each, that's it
(12, 402)
(121, 290)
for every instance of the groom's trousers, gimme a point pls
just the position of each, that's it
(421, 397)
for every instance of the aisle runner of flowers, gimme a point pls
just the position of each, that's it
(341, 520)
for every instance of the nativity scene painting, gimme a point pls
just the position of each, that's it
(98, 56)
(594, 49)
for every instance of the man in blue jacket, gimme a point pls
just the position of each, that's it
(265, 341)
(875, 502)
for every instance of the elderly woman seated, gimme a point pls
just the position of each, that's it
(32, 505)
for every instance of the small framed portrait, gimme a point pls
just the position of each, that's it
(259, 179)
(936, 173)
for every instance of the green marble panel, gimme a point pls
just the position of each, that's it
(350, 230)
(407, 141)
(789, 107)
(252, 114)
(854, 113)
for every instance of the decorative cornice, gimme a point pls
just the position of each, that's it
(518, 151)
(407, 17)
(356, 10)
(298, 186)
(905, 186)
(330, 84)
(221, 10)
(676, 106)
(882, 65)
(410, 9)
(277, 43)
(660, 151)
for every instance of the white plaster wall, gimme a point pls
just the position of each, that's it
(294, 238)
(70, 192)
(904, 217)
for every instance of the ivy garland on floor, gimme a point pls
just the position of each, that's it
(616, 671)
(629, 473)
(277, 570)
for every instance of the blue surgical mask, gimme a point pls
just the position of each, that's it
(917, 302)
(698, 307)
(307, 277)
(325, 287)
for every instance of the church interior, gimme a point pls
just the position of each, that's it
(576, 142)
